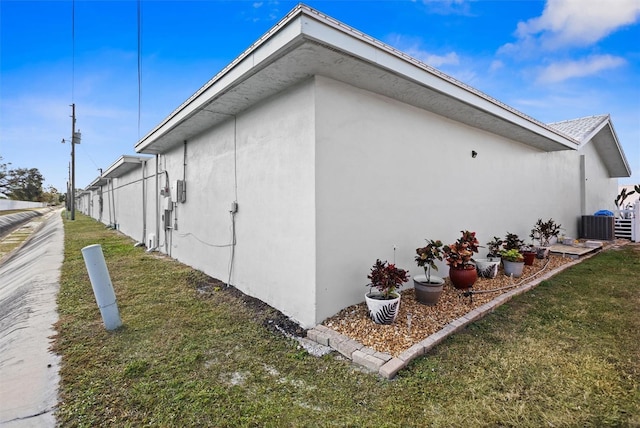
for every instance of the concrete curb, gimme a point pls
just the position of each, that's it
(388, 366)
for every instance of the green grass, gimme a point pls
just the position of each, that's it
(565, 354)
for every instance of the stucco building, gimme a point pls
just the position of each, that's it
(320, 149)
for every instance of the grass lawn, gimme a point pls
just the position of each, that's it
(565, 354)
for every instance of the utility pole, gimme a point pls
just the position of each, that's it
(73, 161)
(75, 139)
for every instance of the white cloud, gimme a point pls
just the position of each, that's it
(448, 7)
(411, 46)
(561, 71)
(434, 60)
(496, 65)
(576, 22)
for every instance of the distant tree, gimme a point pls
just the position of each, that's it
(24, 184)
(51, 196)
(3, 176)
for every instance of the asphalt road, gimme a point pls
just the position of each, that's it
(29, 283)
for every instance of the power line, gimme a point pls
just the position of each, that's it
(139, 63)
(73, 49)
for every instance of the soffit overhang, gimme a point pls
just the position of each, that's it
(124, 165)
(97, 183)
(307, 43)
(606, 144)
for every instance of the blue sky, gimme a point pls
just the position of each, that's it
(553, 60)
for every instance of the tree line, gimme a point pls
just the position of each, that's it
(25, 184)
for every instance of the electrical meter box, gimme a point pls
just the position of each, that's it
(179, 191)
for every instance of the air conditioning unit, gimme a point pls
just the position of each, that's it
(598, 227)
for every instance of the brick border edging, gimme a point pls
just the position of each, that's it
(387, 365)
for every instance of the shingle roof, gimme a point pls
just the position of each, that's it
(598, 131)
(582, 128)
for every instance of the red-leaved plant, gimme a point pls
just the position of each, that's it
(459, 253)
(386, 277)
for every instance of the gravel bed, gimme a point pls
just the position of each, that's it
(416, 321)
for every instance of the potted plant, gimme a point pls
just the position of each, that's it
(488, 267)
(512, 242)
(494, 247)
(462, 272)
(384, 304)
(529, 254)
(513, 262)
(428, 287)
(544, 232)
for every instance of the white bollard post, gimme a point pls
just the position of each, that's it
(102, 286)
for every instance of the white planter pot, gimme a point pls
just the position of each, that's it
(513, 268)
(382, 311)
(487, 268)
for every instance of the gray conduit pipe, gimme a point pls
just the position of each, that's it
(144, 204)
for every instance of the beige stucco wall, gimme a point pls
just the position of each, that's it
(263, 159)
(389, 174)
(128, 203)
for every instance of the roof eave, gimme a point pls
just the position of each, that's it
(304, 25)
(614, 157)
(123, 165)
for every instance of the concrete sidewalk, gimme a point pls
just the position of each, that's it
(29, 283)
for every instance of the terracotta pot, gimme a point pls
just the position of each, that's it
(463, 278)
(529, 257)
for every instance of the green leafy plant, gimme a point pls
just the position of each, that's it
(426, 256)
(460, 253)
(513, 242)
(512, 255)
(387, 278)
(619, 200)
(543, 231)
(494, 246)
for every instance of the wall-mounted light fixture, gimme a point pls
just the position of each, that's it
(474, 154)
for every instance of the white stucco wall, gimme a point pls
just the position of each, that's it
(389, 174)
(269, 151)
(96, 208)
(128, 202)
(10, 204)
(149, 209)
(601, 190)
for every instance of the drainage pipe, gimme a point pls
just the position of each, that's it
(144, 203)
(495, 290)
(157, 204)
(102, 286)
